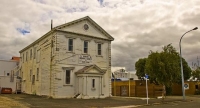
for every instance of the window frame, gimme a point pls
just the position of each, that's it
(33, 79)
(67, 78)
(26, 55)
(85, 46)
(23, 58)
(38, 56)
(37, 74)
(70, 45)
(30, 75)
(99, 49)
(93, 83)
(31, 54)
(34, 52)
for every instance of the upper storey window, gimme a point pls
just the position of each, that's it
(99, 48)
(85, 46)
(70, 45)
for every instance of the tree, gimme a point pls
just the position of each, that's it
(139, 67)
(163, 67)
(196, 73)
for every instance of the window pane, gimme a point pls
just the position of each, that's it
(70, 48)
(85, 44)
(67, 79)
(85, 50)
(70, 41)
(99, 46)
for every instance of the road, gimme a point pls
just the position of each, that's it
(32, 101)
(191, 102)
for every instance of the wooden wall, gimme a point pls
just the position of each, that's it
(137, 89)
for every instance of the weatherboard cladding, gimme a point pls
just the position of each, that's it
(57, 28)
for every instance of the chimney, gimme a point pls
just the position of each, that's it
(51, 24)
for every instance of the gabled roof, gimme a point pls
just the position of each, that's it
(57, 28)
(87, 68)
(91, 21)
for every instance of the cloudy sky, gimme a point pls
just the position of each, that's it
(137, 25)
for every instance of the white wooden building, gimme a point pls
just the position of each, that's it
(122, 74)
(8, 78)
(72, 60)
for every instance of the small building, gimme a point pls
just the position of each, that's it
(8, 77)
(120, 73)
(72, 60)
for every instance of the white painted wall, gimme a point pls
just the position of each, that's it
(71, 59)
(52, 74)
(5, 82)
(6, 66)
(78, 28)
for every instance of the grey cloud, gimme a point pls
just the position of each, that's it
(137, 26)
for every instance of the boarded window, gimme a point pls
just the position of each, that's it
(30, 74)
(26, 56)
(70, 45)
(67, 77)
(99, 49)
(85, 46)
(33, 79)
(30, 54)
(34, 53)
(37, 77)
(38, 56)
(23, 58)
(12, 76)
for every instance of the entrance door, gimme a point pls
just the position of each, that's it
(93, 86)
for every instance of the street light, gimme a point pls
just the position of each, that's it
(182, 64)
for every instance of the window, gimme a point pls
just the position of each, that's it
(33, 79)
(67, 77)
(26, 56)
(23, 58)
(196, 87)
(85, 46)
(38, 56)
(99, 49)
(93, 83)
(70, 45)
(22, 75)
(34, 52)
(30, 54)
(12, 76)
(30, 74)
(37, 77)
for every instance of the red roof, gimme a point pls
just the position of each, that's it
(15, 58)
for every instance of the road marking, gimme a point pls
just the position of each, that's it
(130, 106)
